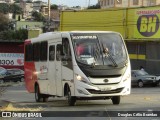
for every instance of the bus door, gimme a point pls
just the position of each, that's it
(51, 70)
(58, 70)
(67, 65)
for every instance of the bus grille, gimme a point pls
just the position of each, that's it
(105, 92)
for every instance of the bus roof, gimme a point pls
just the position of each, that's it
(50, 35)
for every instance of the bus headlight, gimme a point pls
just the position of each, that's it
(126, 77)
(82, 79)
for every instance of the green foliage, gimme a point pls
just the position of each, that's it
(21, 34)
(4, 8)
(38, 16)
(54, 7)
(3, 22)
(97, 6)
(13, 8)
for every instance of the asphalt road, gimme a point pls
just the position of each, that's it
(145, 99)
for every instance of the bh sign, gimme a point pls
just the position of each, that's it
(148, 25)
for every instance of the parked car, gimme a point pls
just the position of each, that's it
(141, 78)
(158, 78)
(13, 75)
(2, 74)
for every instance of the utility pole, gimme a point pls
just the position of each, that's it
(49, 17)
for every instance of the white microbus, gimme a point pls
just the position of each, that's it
(78, 65)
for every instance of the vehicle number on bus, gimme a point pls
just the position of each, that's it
(6, 62)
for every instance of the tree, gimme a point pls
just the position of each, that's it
(4, 8)
(97, 6)
(21, 34)
(3, 22)
(38, 16)
(15, 9)
(54, 7)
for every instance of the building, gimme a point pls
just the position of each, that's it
(27, 9)
(127, 3)
(37, 5)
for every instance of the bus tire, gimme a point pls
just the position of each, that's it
(38, 96)
(116, 100)
(71, 99)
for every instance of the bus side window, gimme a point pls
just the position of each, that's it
(51, 53)
(43, 51)
(58, 52)
(66, 50)
(36, 51)
(29, 52)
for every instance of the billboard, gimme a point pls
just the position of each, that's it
(147, 23)
(11, 59)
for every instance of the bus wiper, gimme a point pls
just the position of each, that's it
(107, 54)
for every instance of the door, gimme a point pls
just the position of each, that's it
(52, 69)
(59, 70)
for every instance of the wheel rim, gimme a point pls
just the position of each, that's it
(140, 84)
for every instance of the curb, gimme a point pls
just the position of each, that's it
(3, 103)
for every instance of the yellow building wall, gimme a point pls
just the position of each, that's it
(133, 23)
(34, 33)
(105, 20)
(143, 23)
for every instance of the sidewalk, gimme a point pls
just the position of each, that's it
(3, 103)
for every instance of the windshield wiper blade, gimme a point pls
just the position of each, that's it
(107, 54)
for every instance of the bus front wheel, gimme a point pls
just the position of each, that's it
(115, 100)
(71, 99)
(38, 96)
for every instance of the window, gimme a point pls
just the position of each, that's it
(135, 2)
(29, 52)
(58, 52)
(36, 51)
(43, 51)
(66, 49)
(51, 53)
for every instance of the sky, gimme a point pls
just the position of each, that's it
(71, 3)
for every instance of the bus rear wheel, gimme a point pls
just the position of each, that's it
(116, 100)
(38, 96)
(71, 99)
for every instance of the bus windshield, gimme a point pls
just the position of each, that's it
(99, 48)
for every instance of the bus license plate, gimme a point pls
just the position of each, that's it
(105, 88)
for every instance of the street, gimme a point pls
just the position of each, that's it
(141, 99)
